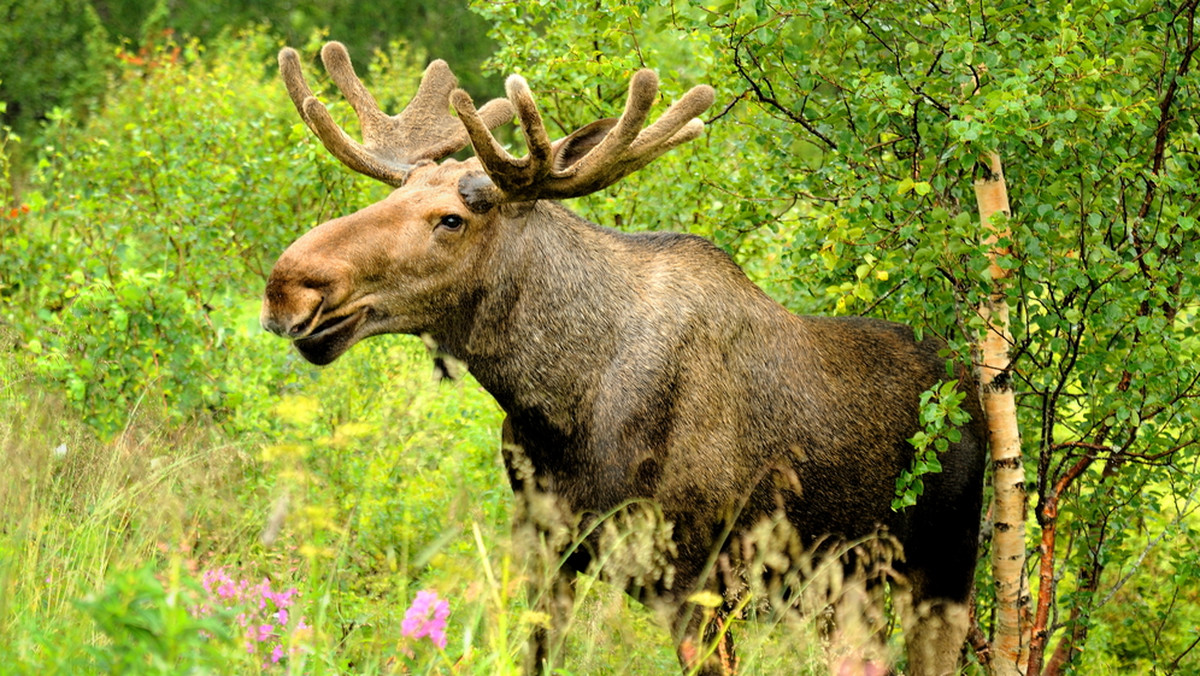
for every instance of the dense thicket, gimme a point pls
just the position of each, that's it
(57, 54)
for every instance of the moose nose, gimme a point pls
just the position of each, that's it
(290, 310)
(285, 326)
(278, 326)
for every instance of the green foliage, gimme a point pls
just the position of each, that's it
(150, 627)
(54, 56)
(941, 417)
(437, 29)
(57, 54)
(7, 142)
(116, 341)
(387, 479)
(80, 519)
(154, 222)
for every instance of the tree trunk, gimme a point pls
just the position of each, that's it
(1009, 644)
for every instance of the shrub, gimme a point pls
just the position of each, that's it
(150, 628)
(54, 56)
(135, 276)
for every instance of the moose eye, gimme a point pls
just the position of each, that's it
(451, 222)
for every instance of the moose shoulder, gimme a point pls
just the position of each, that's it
(635, 369)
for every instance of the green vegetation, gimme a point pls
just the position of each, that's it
(57, 54)
(54, 56)
(158, 445)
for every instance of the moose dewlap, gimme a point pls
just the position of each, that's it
(647, 382)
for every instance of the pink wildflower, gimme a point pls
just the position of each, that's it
(262, 612)
(427, 617)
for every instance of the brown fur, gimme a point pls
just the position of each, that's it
(646, 369)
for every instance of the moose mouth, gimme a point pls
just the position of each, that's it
(331, 338)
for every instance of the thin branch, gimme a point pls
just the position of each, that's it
(1164, 107)
(725, 111)
(1146, 551)
(1175, 662)
(769, 98)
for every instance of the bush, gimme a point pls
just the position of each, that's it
(150, 628)
(135, 276)
(54, 55)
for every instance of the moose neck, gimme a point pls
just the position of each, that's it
(546, 326)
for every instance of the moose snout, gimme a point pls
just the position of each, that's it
(290, 310)
(305, 285)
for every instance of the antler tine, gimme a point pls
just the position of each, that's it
(643, 88)
(341, 70)
(628, 147)
(392, 145)
(293, 79)
(678, 125)
(516, 174)
(625, 147)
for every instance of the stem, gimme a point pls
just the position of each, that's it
(1039, 633)
(1010, 643)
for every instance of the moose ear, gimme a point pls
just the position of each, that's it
(478, 192)
(567, 151)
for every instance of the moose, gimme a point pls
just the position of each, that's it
(638, 371)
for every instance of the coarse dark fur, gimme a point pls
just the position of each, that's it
(646, 371)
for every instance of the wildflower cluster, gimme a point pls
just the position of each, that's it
(427, 617)
(262, 613)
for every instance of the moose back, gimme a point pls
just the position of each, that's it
(640, 373)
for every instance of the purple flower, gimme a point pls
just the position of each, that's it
(427, 617)
(261, 611)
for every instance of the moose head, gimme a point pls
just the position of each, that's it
(409, 263)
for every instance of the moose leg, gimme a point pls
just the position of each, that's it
(934, 632)
(541, 530)
(705, 646)
(856, 642)
(554, 602)
(551, 583)
(938, 580)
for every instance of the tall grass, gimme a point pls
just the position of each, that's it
(376, 484)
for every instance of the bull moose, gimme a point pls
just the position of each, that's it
(636, 369)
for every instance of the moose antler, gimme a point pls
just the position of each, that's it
(392, 144)
(592, 158)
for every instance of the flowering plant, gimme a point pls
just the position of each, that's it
(262, 613)
(426, 617)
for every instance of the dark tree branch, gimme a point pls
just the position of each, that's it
(728, 107)
(769, 99)
(1174, 665)
(1164, 106)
